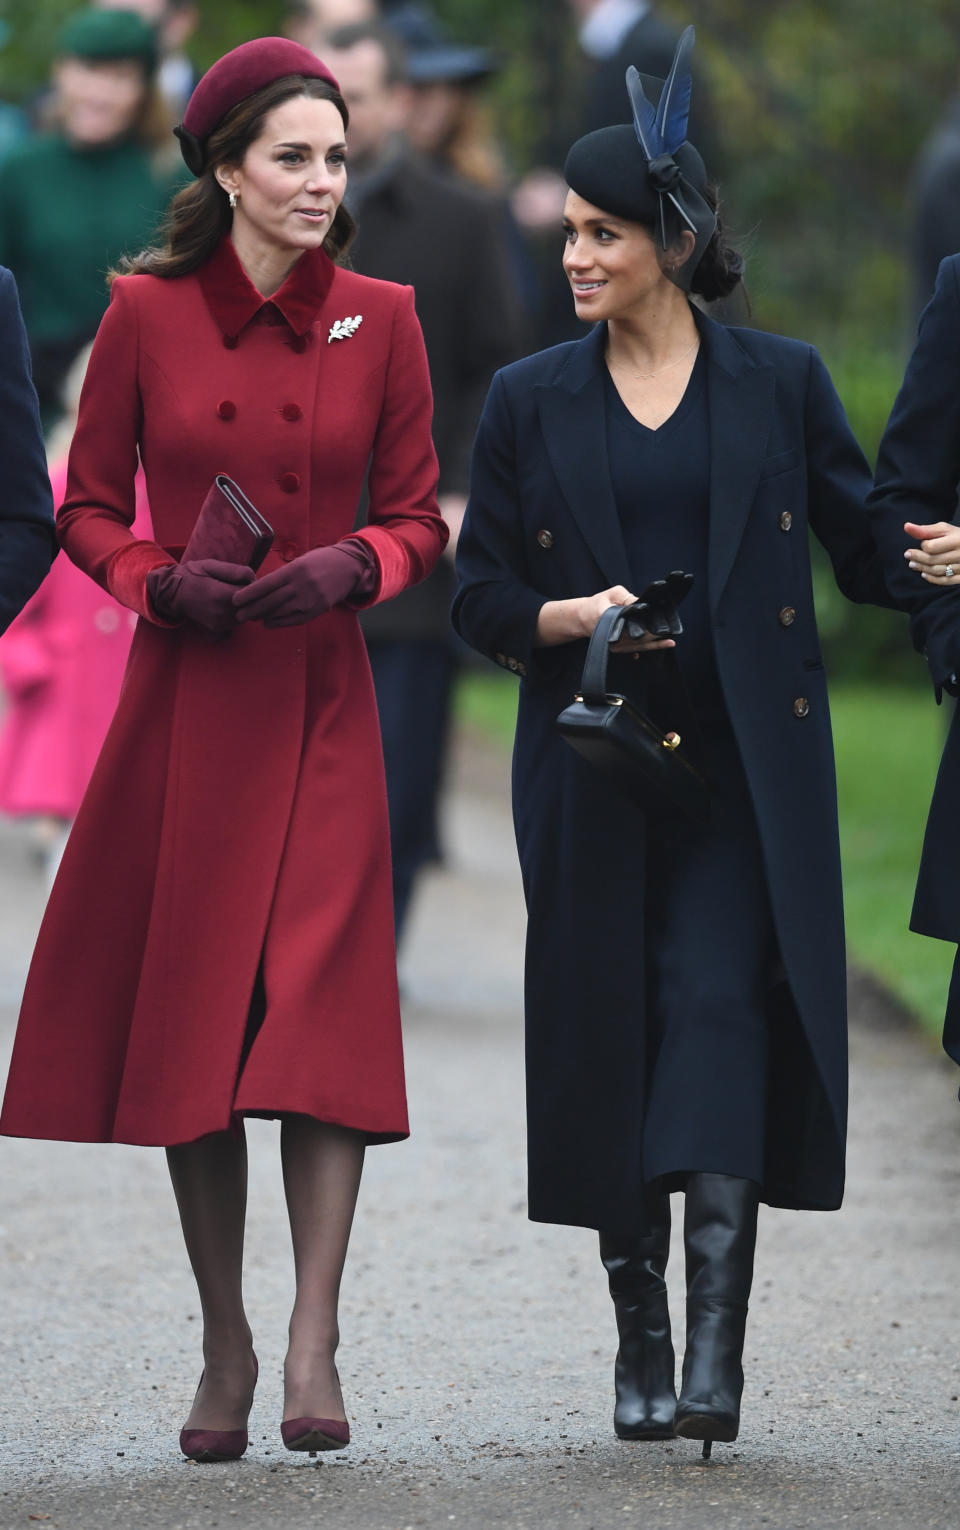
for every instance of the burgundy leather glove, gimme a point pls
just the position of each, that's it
(312, 584)
(200, 592)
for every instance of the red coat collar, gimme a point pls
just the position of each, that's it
(233, 300)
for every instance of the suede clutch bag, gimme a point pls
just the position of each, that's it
(229, 527)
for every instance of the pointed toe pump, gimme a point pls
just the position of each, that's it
(644, 1371)
(720, 1232)
(215, 1445)
(313, 1434)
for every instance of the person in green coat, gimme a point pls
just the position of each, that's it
(90, 188)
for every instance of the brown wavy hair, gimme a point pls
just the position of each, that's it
(199, 215)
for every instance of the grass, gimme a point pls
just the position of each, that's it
(888, 743)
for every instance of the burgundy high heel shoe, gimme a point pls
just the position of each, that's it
(216, 1445)
(315, 1434)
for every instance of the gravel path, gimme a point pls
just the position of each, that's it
(477, 1349)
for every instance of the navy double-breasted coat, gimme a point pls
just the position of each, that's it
(542, 524)
(918, 471)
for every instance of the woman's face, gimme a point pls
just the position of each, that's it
(293, 177)
(612, 264)
(433, 115)
(98, 100)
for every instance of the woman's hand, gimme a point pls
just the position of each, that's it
(937, 559)
(564, 621)
(200, 592)
(310, 586)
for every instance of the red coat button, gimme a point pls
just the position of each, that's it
(227, 409)
(292, 412)
(289, 482)
(230, 341)
(288, 551)
(298, 344)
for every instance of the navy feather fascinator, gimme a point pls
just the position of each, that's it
(649, 173)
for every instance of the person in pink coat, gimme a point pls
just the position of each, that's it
(61, 665)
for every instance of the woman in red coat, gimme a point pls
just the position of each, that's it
(219, 942)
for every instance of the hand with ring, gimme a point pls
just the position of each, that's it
(937, 559)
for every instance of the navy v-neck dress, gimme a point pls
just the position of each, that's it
(708, 924)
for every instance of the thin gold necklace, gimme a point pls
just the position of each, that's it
(646, 376)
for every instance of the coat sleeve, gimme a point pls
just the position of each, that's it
(27, 542)
(918, 471)
(405, 530)
(838, 482)
(99, 508)
(495, 609)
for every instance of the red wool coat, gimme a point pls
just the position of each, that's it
(237, 814)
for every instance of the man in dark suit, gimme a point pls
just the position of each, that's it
(615, 34)
(448, 241)
(27, 542)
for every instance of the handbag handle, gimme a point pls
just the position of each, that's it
(593, 683)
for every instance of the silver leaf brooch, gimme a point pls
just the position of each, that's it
(344, 328)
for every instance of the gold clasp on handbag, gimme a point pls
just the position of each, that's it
(672, 741)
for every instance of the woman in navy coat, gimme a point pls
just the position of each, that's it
(685, 988)
(912, 510)
(27, 542)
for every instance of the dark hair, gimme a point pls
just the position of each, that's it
(199, 215)
(721, 265)
(341, 39)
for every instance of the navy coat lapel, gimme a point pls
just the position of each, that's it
(572, 412)
(741, 397)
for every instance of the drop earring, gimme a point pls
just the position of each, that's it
(233, 199)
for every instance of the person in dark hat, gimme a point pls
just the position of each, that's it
(447, 120)
(219, 940)
(448, 240)
(113, 179)
(685, 985)
(174, 23)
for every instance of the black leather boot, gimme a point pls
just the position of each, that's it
(644, 1374)
(719, 1235)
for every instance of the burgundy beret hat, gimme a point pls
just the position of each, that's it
(239, 74)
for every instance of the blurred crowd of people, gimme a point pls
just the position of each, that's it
(87, 167)
(438, 209)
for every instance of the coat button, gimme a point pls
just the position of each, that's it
(787, 616)
(227, 409)
(501, 659)
(801, 707)
(288, 551)
(289, 482)
(299, 344)
(230, 341)
(513, 664)
(786, 521)
(545, 538)
(292, 412)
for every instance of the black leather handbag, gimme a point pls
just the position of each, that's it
(643, 760)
